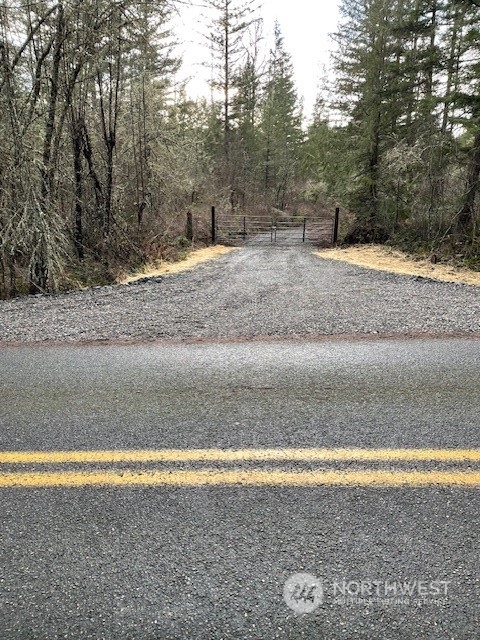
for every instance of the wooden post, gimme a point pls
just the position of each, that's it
(189, 226)
(335, 226)
(244, 227)
(304, 229)
(214, 230)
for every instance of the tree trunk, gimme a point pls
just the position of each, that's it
(77, 138)
(39, 275)
(466, 216)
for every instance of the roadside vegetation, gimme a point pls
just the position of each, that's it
(406, 149)
(186, 262)
(103, 153)
(385, 258)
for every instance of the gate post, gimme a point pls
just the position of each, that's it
(214, 231)
(304, 229)
(189, 226)
(335, 226)
(244, 228)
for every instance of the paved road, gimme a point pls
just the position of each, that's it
(182, 544)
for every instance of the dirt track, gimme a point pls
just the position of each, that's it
(255, 291)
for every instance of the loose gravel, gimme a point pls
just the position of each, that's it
(259, 290)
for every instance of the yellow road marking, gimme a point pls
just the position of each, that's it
(231, 455)
(244, 478)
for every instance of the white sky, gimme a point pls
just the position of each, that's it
(305, 25)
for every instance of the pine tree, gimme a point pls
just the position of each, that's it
(361, 66)
(467, 103)
(246, 151)
(281, 131)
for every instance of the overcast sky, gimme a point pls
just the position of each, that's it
(305, 25)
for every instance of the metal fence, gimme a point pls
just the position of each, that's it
(238, 229)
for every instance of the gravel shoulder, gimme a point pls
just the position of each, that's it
(259, 290)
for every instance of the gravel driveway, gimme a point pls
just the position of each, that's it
(258, 290)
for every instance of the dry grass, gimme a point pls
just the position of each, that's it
(163, 268)
(386, 259)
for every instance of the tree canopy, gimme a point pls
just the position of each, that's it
(103, 151)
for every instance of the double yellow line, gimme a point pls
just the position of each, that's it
(175, 476)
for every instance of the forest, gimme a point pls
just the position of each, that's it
(103, 151)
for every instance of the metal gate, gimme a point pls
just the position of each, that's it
(260, 229)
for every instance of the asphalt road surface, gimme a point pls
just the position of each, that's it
(183, 490)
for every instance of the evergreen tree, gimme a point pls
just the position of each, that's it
(280, 126)
(467, 103)
(361, 67)
(228, 30)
